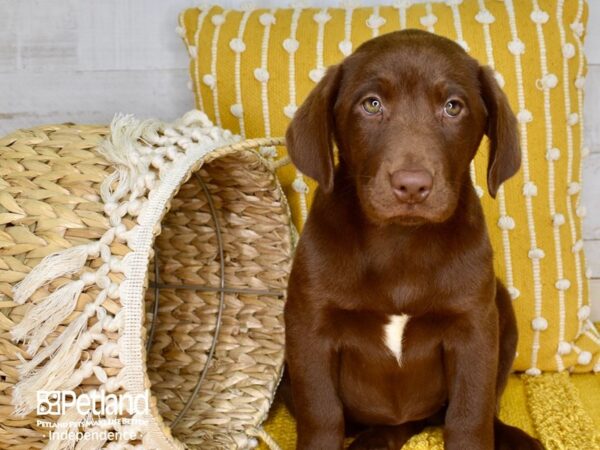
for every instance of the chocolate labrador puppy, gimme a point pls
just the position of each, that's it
(394, 317)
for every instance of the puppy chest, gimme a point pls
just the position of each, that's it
(393, 335)
(373, 335)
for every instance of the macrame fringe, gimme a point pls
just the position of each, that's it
(53, 266)
(121, 148)
(63, 354)
(119, 176)
(44, 317)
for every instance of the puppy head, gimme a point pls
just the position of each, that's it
(407, 112)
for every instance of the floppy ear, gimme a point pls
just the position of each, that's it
(505, 153)
(309, 138)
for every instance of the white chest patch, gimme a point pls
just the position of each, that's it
(394, 333)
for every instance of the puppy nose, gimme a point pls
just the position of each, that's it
(411, 186)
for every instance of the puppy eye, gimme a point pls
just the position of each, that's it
(453, 108)
(372, 105)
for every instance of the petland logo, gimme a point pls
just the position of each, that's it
(99, 403)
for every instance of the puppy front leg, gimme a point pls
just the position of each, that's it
(312, 366)
(471, 365)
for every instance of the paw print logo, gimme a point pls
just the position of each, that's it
(48, 403)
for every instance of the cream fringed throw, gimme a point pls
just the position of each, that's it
(150, 186)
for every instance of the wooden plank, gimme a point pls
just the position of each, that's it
(130, 35)
(107, 35)
(592, 106)
(592, 256)
(592, 41)
(595, 299)
(47, 36)
(591, 196)
(92, 97)
(8, 37)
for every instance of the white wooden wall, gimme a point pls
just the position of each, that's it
(82, 61)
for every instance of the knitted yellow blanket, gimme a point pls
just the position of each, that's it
(562, 411)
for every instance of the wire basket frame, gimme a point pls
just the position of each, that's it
(222, 289)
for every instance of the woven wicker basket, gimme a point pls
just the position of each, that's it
(192, 229)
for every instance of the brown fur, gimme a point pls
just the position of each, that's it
(364, 255)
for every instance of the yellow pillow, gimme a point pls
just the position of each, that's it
(250, 69)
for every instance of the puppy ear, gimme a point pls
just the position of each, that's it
(309, 138)
(505, 153)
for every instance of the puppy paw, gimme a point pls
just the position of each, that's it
(369, 440)
(512, 438)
